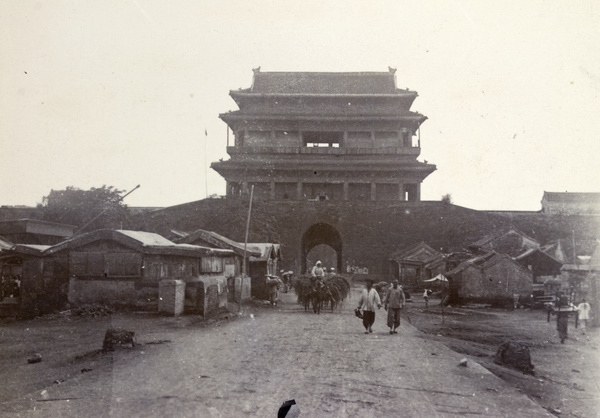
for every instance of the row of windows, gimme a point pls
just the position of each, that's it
(322, 138)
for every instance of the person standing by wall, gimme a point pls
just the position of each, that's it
(369, 298)
(394, 302)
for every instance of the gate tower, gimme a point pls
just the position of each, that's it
(348, 136)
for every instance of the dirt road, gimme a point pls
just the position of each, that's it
(249, 365)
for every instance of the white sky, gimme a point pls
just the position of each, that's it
(121, 92)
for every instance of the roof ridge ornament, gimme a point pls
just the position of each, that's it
(392, 70)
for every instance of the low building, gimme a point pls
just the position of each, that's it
(542, 265)
(119, 267)
(571, 203)
(416, 263)
(492, 278)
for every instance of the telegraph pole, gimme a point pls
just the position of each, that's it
(245, 264)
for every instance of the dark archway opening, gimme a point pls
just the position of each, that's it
(321, 242)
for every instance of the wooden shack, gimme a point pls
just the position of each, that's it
(261, 258)
(120, 267)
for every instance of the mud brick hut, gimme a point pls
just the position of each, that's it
(492, 278)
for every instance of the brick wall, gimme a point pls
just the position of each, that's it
(369, 231)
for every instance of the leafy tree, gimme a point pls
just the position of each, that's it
(447, 198)
(100, 207)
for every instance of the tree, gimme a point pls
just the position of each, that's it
(101, 207)
(447, 198)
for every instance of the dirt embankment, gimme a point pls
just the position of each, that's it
(566, 378)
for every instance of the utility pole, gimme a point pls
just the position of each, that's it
(245, 264)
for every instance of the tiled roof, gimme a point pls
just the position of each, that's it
(324, 83)
(562, 249)
(220, 241)
(534, 251)
(418, 253)
(483, 262)
(145, 242)
(499, 234)
(146, 238)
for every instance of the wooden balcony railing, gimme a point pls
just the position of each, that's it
(325, 151)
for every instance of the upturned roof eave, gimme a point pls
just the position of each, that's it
(238, 115)
(245, 165)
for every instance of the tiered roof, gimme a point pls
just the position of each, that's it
(343, 83)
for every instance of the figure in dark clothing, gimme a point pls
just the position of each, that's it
(562, 325)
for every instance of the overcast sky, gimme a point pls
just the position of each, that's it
(121, 92)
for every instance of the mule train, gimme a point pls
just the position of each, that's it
(321, 295)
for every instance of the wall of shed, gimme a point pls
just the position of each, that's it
(44, 284)
(257, 271)
(107, 291)
(497, 284)
(107, 272)
(206, 295)
(243, 288)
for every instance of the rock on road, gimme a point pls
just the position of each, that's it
(251, 365)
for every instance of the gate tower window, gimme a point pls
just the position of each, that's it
(322, 139)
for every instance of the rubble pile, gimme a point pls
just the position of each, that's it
(515, 355)
(118, 338)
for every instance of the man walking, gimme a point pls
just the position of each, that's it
(369, 298)
(394, 302)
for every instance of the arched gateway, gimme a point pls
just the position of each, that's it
(321, 234)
